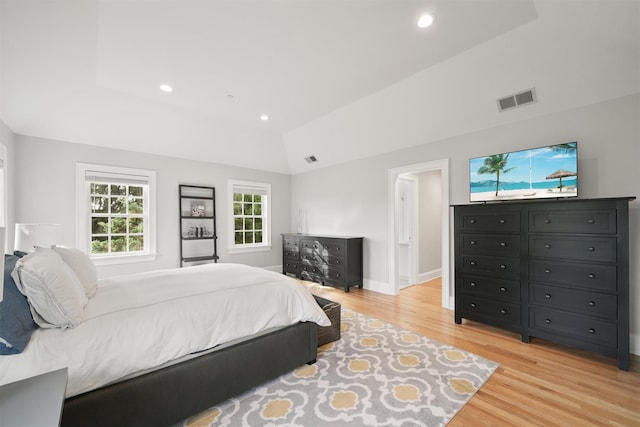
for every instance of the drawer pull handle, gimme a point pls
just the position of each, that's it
(503, 267)
(547, 246)
(473, 263)
(503, 311)
(338, 275)
(472, 221)
(591, 221)
(337, 261)
(592, 249)
(547, 296)
(502, 221)
(473, 284)
(592, 331)
(591, 276)
(547, 321)
(592, 303)
(473, 304)
(503, 289)
(547, 221)
(503, 244)
(546, 270)
(473, 242)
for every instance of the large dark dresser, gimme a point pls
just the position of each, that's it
(557, 270)
(333, 260)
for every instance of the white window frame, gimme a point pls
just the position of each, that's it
(83, 218)
(248, 186)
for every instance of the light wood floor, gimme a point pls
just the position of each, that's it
(539, 383)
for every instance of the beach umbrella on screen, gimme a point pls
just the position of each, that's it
(561, 174)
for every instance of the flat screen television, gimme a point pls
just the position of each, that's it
(536, 173)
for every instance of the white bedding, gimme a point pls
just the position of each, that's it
(140, 321)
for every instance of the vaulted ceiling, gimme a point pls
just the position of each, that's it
(89, 71)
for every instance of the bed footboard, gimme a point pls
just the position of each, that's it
(174, 393)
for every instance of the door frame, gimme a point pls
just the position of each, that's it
(441, 165)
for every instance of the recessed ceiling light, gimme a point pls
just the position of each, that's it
(166, 88)
(425, 21)
(264, 117)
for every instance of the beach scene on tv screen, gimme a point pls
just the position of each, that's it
(528, 174)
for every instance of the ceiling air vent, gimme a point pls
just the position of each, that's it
(517, 100)
(311, 159)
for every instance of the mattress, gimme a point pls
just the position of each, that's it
(140, 322)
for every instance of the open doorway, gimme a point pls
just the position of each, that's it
(412, 252)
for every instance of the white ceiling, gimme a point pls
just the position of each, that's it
(88, 71)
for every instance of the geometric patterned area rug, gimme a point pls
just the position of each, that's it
(375, 375)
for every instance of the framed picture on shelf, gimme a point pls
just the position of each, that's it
(198, 210)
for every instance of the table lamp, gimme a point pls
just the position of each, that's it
(30, 236)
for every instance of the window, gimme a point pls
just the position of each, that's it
(250, 220)
(116, 213)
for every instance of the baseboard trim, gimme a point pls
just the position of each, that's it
(376, 286)
(276, 268)
(429, 275)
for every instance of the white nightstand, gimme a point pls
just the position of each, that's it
(35, 401)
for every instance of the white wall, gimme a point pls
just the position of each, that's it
(351, 198)
(7, 138)
(45, 186)
(429, 223)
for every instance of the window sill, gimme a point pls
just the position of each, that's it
(123, 259)
(247, 249)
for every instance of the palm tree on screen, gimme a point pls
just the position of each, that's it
(495, 165)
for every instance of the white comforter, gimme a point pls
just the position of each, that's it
(140, 321)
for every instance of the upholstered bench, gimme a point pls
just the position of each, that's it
(327, 334)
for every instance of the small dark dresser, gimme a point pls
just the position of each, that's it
(557, 270)
(332, 260)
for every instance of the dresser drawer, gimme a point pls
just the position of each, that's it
(335, 262)
(584, 302)
(492, 288)
(310, 272)
(502, 311)
(588, 221)
(592, 276)
(335, 248)
(287, 253)
(492, 265)
(506, 222)
(602, 249)
(291, 267)
(310, 256)
(311, 245)
(290, 244)
(582, 327)
(496, 244)
(335, 275)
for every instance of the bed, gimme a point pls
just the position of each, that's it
(157, 347)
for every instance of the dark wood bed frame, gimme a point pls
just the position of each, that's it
(175, 393)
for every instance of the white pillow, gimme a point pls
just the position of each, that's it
(82, 266)
(56, 296)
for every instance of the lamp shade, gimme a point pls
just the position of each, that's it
(29, 236)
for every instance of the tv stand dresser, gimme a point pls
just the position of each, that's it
(553, 269)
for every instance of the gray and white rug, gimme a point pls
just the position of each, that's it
(375, 375)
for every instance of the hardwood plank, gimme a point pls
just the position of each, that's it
(540, 383)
